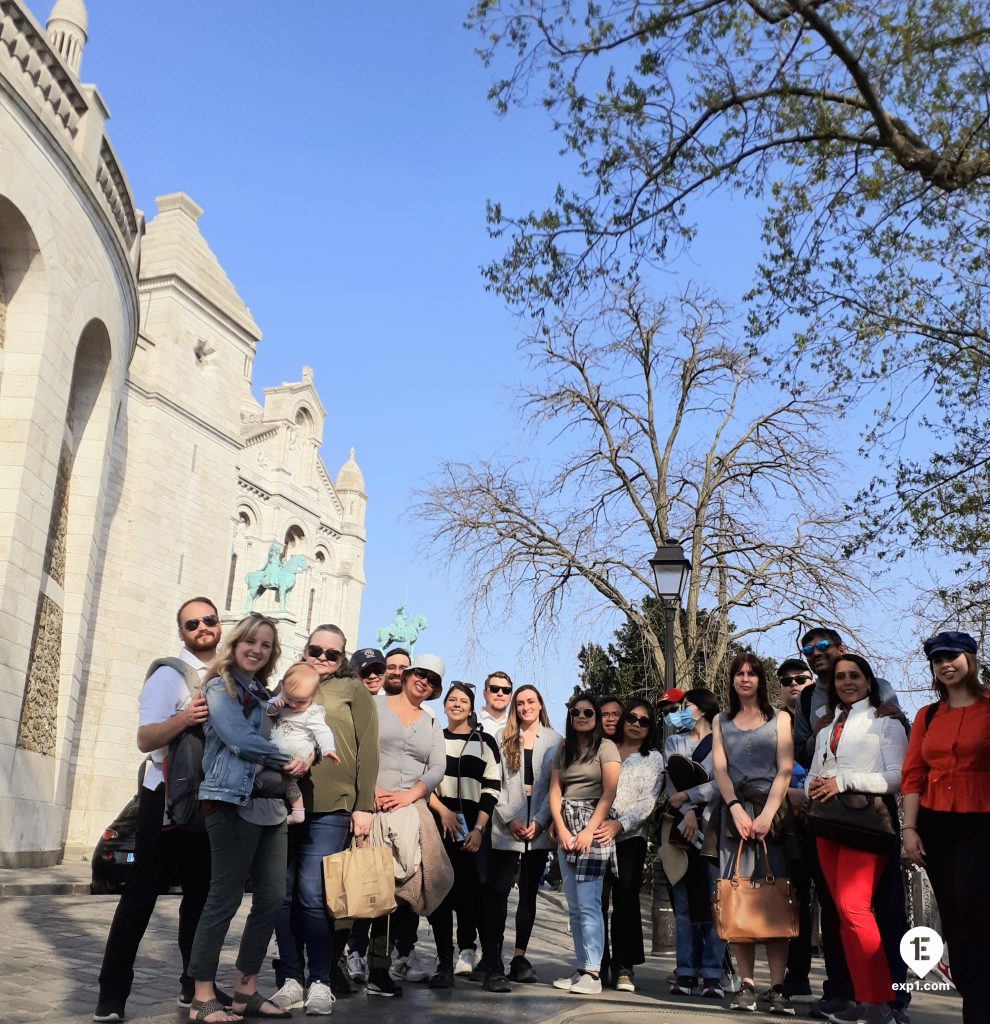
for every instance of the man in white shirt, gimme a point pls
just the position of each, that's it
(165, 709)
(497, 693)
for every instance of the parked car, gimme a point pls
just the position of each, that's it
(113, 857)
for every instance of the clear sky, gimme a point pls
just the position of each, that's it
(343, 153)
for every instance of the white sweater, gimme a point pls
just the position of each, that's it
(869, 754)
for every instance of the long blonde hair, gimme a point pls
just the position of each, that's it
(223, 667)
(511, 747)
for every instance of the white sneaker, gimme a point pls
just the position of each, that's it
(357, 967)
(565, 983)
(319, 1000)
(587, 985)
(466, 959)
(410, 968)
(289, 996)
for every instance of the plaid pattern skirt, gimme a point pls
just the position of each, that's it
(597, 859)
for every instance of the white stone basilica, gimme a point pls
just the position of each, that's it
(136, 466)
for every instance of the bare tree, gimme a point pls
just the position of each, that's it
(656, 424)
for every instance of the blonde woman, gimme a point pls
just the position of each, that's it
(247, 834)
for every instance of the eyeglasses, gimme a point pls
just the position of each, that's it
(582, 712)
(794, 680)
(641, 720)
(367, 673)
(611, 714)
(499, 689)
(431, 677)
(818, 645)
(327, 653)
(208, 620)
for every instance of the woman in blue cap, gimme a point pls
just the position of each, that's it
(946, 787)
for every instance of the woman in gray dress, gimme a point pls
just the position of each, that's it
(753, 755)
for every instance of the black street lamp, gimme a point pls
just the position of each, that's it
(671, 571)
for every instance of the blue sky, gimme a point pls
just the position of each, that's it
(343, 154)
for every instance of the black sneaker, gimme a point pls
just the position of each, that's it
(823, 1008)
(380, 984)
(745, 998)
(478, 973)
(779, 1003)
(340, 984)
(521, 970)
(683, 987)
(496, 981)
(109, 1012)
(443, 976)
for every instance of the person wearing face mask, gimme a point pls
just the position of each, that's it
(699, 950)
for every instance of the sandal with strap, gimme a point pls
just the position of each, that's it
(253, 1004)
(202, 1008)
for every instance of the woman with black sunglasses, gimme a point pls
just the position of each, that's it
(640, 778)
(339, 800)
(583, 782)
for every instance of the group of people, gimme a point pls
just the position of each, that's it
(476, 802)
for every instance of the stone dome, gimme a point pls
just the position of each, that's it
(350, 477)
(72, 11)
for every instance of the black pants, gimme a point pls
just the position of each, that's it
(623, 890)
(799, 952)
(956, 850)
(157, 855)
(474, 904)
(398, 930)
(501, 873)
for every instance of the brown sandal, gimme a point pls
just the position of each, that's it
(252, 1007)
(204, 1007)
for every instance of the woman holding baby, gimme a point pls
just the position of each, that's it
(247, 830)
(338, 800)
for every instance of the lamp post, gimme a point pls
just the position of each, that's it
(671, 570)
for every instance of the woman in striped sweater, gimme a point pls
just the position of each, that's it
(463, 804)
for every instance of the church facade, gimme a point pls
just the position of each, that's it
(137, 468)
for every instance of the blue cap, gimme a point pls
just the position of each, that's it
(949, 643)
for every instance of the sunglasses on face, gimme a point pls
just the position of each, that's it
(641, 720)
(431, 677)
(793, 680)
(818, 645)
(327, 653)
(492, 688)
(582, 712)
(208, 620)
(376, 670)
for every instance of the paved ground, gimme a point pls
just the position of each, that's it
(51, 946)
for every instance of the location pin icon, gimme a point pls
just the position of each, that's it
(921, 949)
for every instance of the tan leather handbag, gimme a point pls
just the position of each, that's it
(755, 909)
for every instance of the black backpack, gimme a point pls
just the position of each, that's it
(183, 764)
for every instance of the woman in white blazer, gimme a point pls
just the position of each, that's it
(855, 751)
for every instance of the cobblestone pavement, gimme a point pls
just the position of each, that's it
(51, 947)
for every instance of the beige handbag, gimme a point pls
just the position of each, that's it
(755, 909)
(359, 882)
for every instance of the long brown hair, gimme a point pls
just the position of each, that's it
(971, 681)
(223, 667)
(511, 747)
(762, 694)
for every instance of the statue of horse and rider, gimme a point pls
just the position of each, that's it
(402, 631)
(277, 575)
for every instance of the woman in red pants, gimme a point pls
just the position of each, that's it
(857, 752)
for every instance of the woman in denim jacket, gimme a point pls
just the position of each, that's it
(247, 834)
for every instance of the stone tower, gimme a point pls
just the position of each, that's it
(67, 31)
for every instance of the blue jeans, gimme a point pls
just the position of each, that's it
(699, 949)
(584, 907)
(323, 834)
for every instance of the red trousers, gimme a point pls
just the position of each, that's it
(852, 877)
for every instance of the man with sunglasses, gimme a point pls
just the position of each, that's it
(165, 710)
(498, 693)
(823, 647)
(369, 663)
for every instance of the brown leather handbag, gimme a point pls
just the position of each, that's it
(755, 909)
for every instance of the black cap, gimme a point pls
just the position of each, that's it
(949, 643)
(792, 665)
(360, 660)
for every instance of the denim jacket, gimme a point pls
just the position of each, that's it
(235, 745)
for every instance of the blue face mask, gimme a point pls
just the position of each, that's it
(679, 720)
